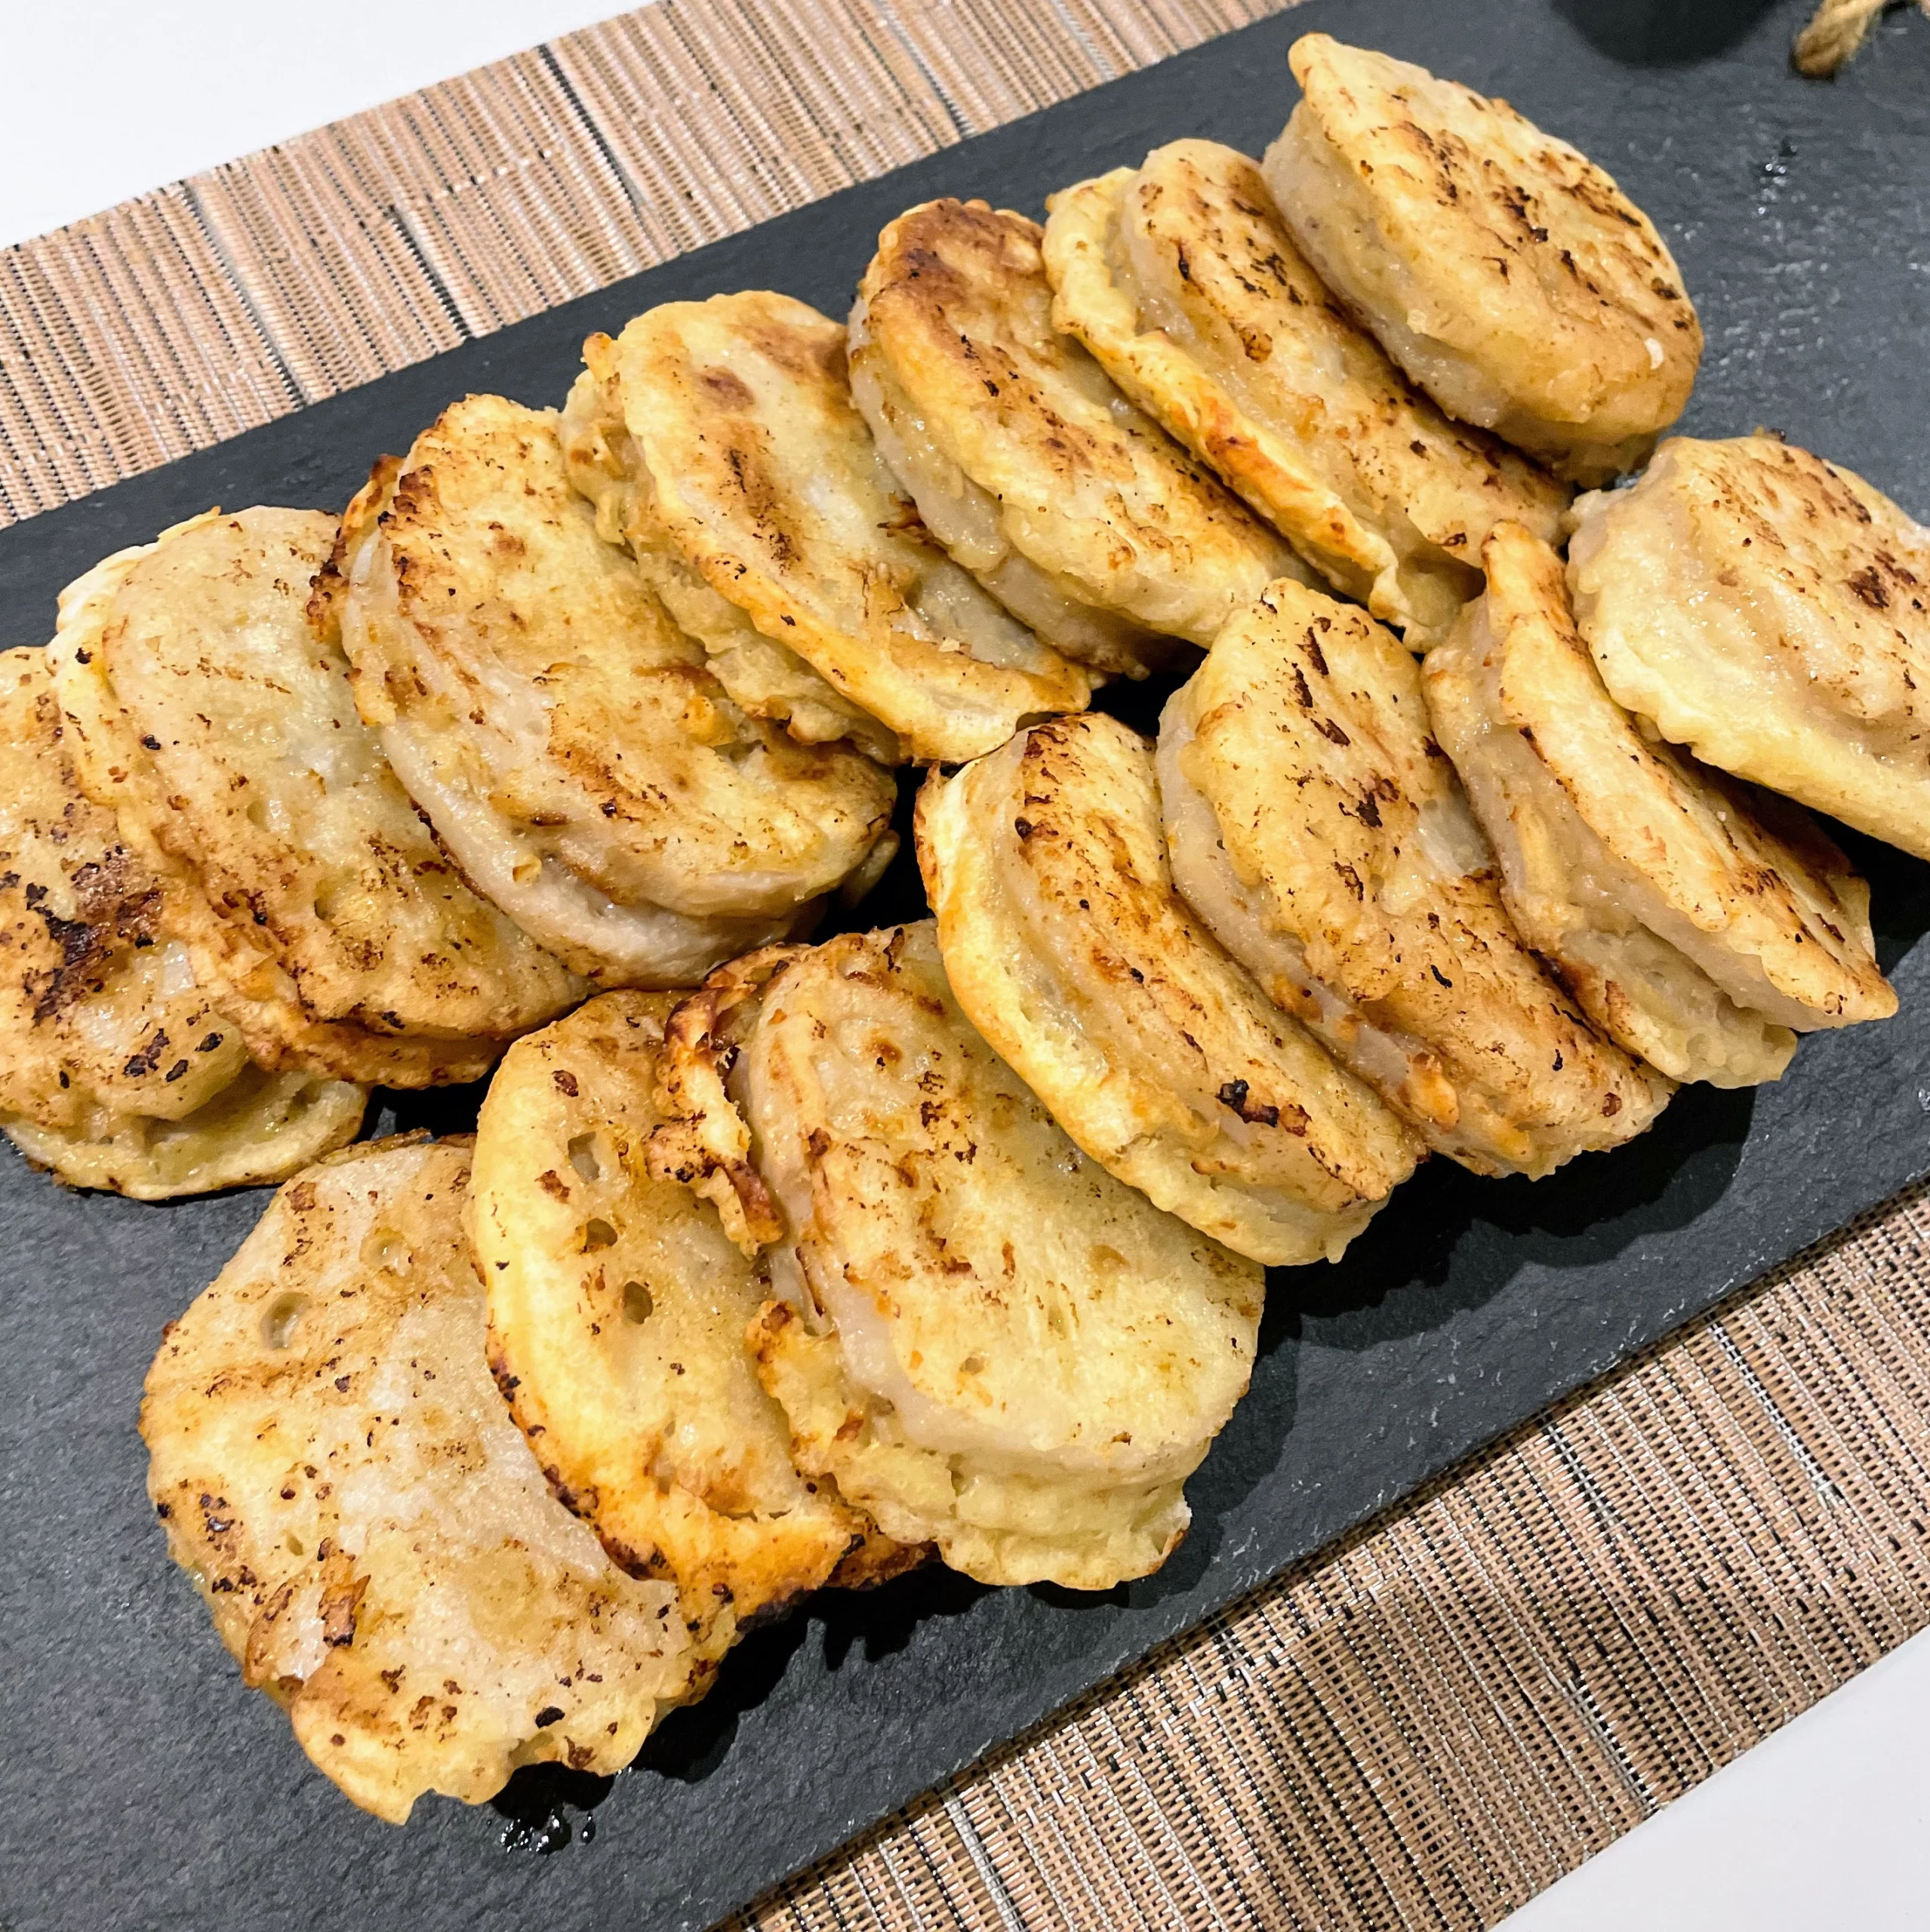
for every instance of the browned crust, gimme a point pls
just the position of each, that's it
(958, 300)
(706, 1145)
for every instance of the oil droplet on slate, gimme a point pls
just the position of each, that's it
(551, 1835)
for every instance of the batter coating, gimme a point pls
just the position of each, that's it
(1076, 510)
(222, 733)
(1770, 611)
(719, 438)
(1696, 922)
(575, 755)
(978, 1333)
(1505, 273)
(1065, 944)
(1181, 278)
(1318, 828)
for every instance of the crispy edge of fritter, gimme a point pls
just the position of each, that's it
(257, 1130)
(705, 1143)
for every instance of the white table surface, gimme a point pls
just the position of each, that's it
(1827, 1824)
(112, 96)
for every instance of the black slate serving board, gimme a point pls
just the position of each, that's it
(141, 1786)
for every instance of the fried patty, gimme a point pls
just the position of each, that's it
(618, 1310)
(1318, 828)
(1770, 611)
(1505, 273)
(722, 442)
(100, 1010)
(1067, 946)
(575, 755)
(119, 1069)
(979, 1334)
(1077, 510)
(379, 1550)
(1695, 922)
(1181, 278)
(222, 733)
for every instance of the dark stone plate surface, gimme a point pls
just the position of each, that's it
(141, 1786)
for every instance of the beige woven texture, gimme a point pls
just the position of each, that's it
(1429, 1724)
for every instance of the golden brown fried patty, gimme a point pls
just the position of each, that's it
(763, 677)
(720, 439)
(377, 1547)
(1081, 514)
(577, 758)
(1770, 611)
(1317, 827)
(1067, 946)
(119, 1069)
(618, 1316)
(979, 1334)
(221, 731)
(1180, 277)
(1506, 273)
(1696, 923)
(100, 1010)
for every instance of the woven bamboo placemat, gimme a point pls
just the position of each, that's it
(1428, 1724)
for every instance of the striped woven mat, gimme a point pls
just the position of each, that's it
(1424, 1726)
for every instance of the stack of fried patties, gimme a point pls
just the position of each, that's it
(232, 919)
(797, 1265)
(254, 872)
(1516, 886)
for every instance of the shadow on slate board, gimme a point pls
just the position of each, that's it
(141, 1786)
